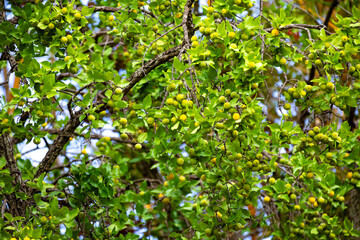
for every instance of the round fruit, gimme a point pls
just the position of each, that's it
(64, 40)
(118, 91)
(150, 120)
(123, 121)
(91, 118)
(236, 116)
(318, 62)
(275, 32)
(208, 232)
(308, 88)
(180, 161)
(344, 39)
(171, 87)
(283, 61)
(266, 199)
(138, 146)
(64, 10)
(124, 136)
(77, 16)
(252, 65)
(312, 199)
(287, 106)
(272, 180)
(329, 86)
(231, 35)
(43, 220)
(329, 155)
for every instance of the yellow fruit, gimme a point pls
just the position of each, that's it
(166, 183)
(252, 65)
(123, 121)
(111, 17)
(160, 195)
(349, 175)
(64, 40)
(182, 178)
(64, 10)
(203, 177)
(266, 199)
(283, 61)
(170, 176)
(213, 161)
(218, 214)
(312, 199)
(236, 116)
(67, 58)
(83, 151)
(77, 16)
(223, 11)
(166, 200)
(275, 32)
(183, 117)
(231, 35)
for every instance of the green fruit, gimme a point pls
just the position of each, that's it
(39, 113)
(150, 120)
(208, 232)
(118, 91)
(222, 99)
(138, 146)
(329, 155)
(180, 161)
(111, 103)
(318, 62)
(43, 220)
(62, 195)
(124, 136)
(227, 105)
(123, 121)
(171, 87)
(287, 106)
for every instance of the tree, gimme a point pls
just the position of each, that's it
(176, 120)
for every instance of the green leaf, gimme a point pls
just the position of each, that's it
(87, 11)
(356, 12)
(348, 224)
(147, 101)
(179, 65)
(142, 137)
(221, 29)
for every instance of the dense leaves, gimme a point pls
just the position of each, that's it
(167, 119)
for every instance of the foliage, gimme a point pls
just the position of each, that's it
(170, 120)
